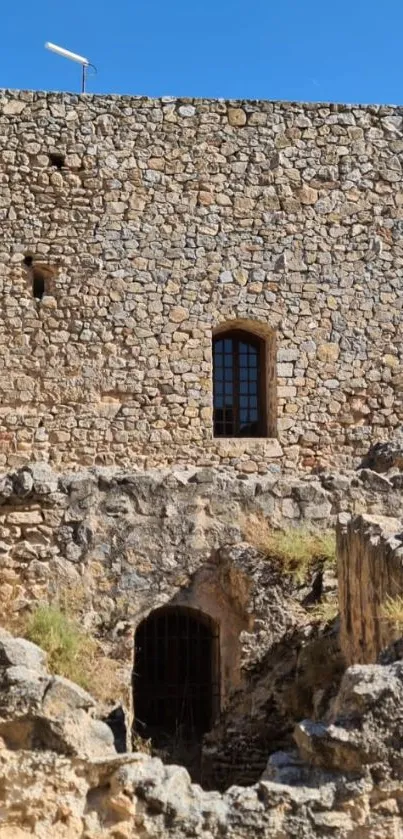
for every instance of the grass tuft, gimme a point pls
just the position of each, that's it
(139, 744)
(72, 652)
(68, 648)
(392, 610)
(326, 611)
(298, 548)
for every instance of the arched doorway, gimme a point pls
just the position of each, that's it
(176, 684)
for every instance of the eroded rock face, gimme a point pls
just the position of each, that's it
(298, 676)
(149, 532)
(345, 781)
(365, 727)
(40, 711)
(127, 542)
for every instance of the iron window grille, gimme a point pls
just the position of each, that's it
(239, 385)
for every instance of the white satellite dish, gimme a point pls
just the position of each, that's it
(85, 64)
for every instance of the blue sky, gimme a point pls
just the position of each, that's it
(316, 50)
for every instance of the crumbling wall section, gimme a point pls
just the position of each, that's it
(113, 546)
(124, 543)
(298, 677)
(370, 570)
(345, 778)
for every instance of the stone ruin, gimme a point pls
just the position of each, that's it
(61, 778)
(200, 343)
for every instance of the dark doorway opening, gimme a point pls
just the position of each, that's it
(176, 681)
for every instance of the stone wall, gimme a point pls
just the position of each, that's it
(120, 544)
(150, 224)
(133, 540)
(370, 570)
(116, 545)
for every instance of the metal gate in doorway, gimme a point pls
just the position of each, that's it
(176, 679)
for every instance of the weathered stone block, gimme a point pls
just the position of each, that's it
(236, 116)
(25, 517)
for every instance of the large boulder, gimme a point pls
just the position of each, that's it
(41, 711)
(18, 652)
(366, 725)
(346, 781)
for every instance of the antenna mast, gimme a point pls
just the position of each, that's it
(85, 64)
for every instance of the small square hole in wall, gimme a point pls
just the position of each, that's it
(57, 160)
(40, 276)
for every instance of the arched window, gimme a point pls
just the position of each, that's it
(239, 385)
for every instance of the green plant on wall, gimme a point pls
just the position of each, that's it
(69, 649)
(297, 548)
(72, 652)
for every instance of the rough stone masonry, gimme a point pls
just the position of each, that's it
(134, 232)
(133, 229)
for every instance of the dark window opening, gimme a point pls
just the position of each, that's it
(176, 675)
(239, 385)
(28, 260)
(38, 284)
(57, 160)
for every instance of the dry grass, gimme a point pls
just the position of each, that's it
(326, 611)
(392, 610)
(105, 683)
(73, 599)
(297, 548)
(68, 648)
(11, 617)
(141, 745)
(72, 652)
